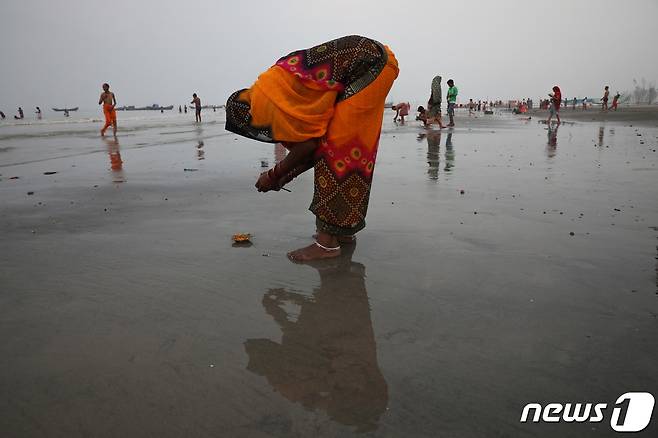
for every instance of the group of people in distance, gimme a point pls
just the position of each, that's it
(555, 102)
(21, 114)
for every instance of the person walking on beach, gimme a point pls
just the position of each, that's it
(452, 101)
(325, 105)
(554, 106)
(585, 103)
(180, 109)
(434, 103)
(615, 101)
(109, 101)
(197, 107)
(604, 99)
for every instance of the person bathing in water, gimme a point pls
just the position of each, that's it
(109, 101)
(197, 107)
(329, 117)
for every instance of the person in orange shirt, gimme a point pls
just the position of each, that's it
(109, 101)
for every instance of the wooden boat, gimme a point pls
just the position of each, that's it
(154, 107)
(65, 109)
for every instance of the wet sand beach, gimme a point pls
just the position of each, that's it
(502, 264)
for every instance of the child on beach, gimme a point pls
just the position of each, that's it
(109, 101)
(615, 101)
(422, 115)
(554, 107)
(197, 107)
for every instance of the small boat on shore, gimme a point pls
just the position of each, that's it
(154, 107)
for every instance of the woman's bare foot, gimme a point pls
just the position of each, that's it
(313, 252)
(326, 247)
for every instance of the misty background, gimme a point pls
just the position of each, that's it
(58, 53)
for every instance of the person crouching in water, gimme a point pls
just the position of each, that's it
(329, 118)
(422, 115)
(401, 111)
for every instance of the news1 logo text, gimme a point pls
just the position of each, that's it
(630, 413)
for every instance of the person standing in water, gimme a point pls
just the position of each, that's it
(197, 107)
(604, 99)
(38, 113)
(20, 114)
(554, 106)
(325, 105)
(2, 115)
(452, 101)
(109, 101)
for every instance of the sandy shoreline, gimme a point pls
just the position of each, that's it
(125, 311)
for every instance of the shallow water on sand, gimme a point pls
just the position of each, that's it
(502, 264)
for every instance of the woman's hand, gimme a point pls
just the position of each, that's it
(265, 183)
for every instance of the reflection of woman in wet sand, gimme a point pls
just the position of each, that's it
(325, 105)
(552, 137)
(327, 358)
(433, 147)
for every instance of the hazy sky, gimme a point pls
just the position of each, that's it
(58, 52)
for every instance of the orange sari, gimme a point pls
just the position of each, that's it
(335, 92)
